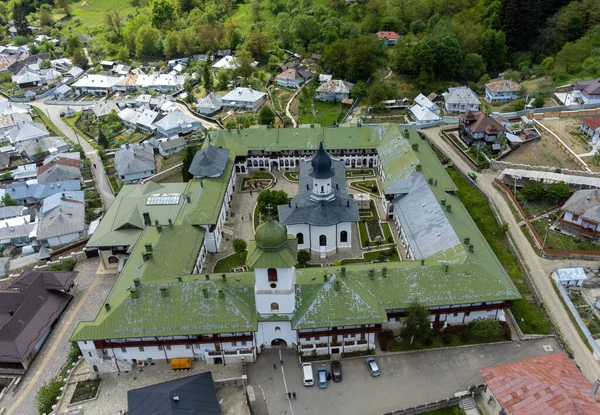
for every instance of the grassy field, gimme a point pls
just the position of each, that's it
(455, 341)
(88, 16)
(526, 312)
(373, 256)
(231, 261)
(558, 241)
(327, 113)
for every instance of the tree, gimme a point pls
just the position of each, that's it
(64, 5)
(533, 191)
(114, 22)
(305, 29)
(46, 15)
(422, 58)
(123, 55)
(5, 77)
(20, 19)
(73, 42)
(102, 140)
(493, 49)
(190, 153)
(222, 79)
(207, 77)
(79, 58)
(417, 323)
(448, 57)
(244, 60)
(473, 67)
(547, 64)
(7, 200)
(266, 116)
(257, 44)
(483, 328)
(186, 5)
(303, 257)
(148, 41)
(268, 200)
(162, 12)
(239, 246)
(558, 191)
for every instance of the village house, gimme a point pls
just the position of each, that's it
(591, 128)
(42, 147)
(96, 84)
(244, 99)
(210, 104)
(389, 38)
(293, 77)
(142, 119)
(176, 123)
(26, 131)
(500, 91)
(134, 162)
(32, 194)
(461, 99)
(334, 90)
(478, 126)
(581, 213)
(169, 147)
(227, 62)
(586, 92)
(61, 226)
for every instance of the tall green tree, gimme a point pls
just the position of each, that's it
(473, 67)
(244, 61)
(303, 257)
(266, 116)
(416, 324)
(190, 152)
(102, 140)
(20, 19)
(493, 49)
(163, 12)
(7, 200)
(207, 77)
(268, 200)
(79, 58)
(448, 57)
(558, 191)
(239, 246)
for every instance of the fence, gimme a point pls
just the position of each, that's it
(432, 406)
(594, 255)
(586, 332)
(568, 150)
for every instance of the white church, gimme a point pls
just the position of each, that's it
(322, 213)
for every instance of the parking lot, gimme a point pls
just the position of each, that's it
(406, 379)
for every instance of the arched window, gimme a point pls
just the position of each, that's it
(113, 260)
(274, 307)
(322, 240)
(277, 328)
(343, 236)
(272, 273)
(300, 237)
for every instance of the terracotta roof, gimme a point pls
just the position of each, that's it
(388, 35)
(503, 85)
(482, 123)
(289, 74)
(593, 123)
(549, 384)
(59, 160)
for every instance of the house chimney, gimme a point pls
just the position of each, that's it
(188, 198)
(207, 277)
(205, 292)
(422, 262)
(446, 268)
(337, 285)
(448, 208)
(325, 278)
(418, 167)
(595, 387)
(471, 247)
(107, 306)
(136, 282)
(170, 223)
(148, 247)
(384, 271)
(224, 277)
(176, 397)
(146, 256)
(415, 146)
(11, 313)
(343, 271)
(221, 294)
(179, 279)
(372, 274)
(467, 240)
(163, 292)
(443, 202)
(133, 292)
(147, 220)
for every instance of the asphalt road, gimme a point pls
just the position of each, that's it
(540, 268)
(407, 379)
(104, 189)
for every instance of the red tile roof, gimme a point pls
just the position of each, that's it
(59, 160)
(482, 123)
(593, 123)
(549, 384)
(388, 35)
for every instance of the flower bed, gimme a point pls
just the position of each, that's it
(85, 390)
(255, 184)
(292, 176)
(360, 173)
(374, 230)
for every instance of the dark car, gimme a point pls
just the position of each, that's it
(336, 371)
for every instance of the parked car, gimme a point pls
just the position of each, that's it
(322, 377)
(373, 367)
(336, 371)
(307, 374)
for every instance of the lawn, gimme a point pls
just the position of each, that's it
(375, 256)
(90, 14)
(292, 176)
(526, 312)
(455, 340)
(556, 240)
(369, 186)
(231, 261)
(49, 124)
(325, 113)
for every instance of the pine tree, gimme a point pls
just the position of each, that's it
(102, 140)
(190, 152)
(20, 19)
(208, 78)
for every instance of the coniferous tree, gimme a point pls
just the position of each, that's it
(20, 19)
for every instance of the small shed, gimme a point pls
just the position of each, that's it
(570, 276)
(347, 102)
(363, 201)
(496, 148)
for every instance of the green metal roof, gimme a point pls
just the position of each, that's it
(271, 235)
(281, 258)
(206, 198)
(129, 207)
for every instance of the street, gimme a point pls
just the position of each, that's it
(407, 379)
(539, 268)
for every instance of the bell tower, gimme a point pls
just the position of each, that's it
(321, 174)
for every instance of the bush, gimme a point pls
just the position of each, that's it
(47, 394)
(446, 337)
(384, 340)
(483, 328)
(465, 336)
(428, 341)
(66, 265)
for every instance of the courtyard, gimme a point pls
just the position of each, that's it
(407, 379)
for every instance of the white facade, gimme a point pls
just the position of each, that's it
(213, 235)
(275, 290)
(274, 330)
(136, 176)
(61, 239)
(313, 236)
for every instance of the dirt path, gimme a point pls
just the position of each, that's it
(539, 268)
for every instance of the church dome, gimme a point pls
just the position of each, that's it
(271, 235)
(321, 164)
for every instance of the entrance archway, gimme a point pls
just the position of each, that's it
(279, 343)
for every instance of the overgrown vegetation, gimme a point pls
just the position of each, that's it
(65, 265)
(47, 394)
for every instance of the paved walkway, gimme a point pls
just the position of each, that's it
(207, 124)
(540, 268)
(104, 189)
(89, 293)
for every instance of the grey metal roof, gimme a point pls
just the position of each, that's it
(31, 147)
(62, 221)
(174, 120)
(304, 210)
(73, 198)
(173, 143)
(461, 95)
(196, 396)
(243, 94)
(41, 191)
(27, 131)
(7, 212)
(548, 177)
(212, 101)
(585, 203)
(16, 231)
(134, 158)
(209, 162)
(423, 221)
(59, 172)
